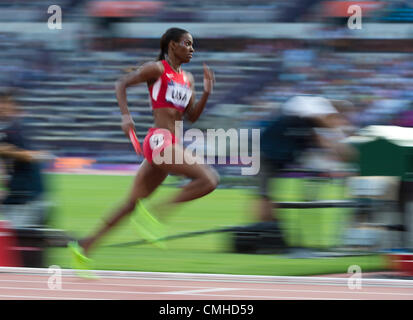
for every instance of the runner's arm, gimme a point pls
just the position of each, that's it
(194, 110)
(148, 73)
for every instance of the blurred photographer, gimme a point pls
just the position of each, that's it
(303, 122)
(23, 204)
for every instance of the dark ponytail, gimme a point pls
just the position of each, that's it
(172, 34)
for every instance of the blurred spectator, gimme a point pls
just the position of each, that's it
(294, 10)
(295, 129)
(24, 203)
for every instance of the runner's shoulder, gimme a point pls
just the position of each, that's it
(155, 68)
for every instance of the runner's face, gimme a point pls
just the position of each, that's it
(184, 48)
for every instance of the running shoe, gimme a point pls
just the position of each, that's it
(80, 263)
(148, 227)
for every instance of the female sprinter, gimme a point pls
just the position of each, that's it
(172, 93)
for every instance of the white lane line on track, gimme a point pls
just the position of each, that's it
(248, 297)
(106, 284)
(194, 292)
(209, 289)
(207, 296)
(231, 297)
(200, 291)
(80, 290)
(162, 276)
(196, 287)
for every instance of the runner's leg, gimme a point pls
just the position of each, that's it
(147, 179)
(204, 179)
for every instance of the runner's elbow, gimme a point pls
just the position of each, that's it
(192, 118)
(120, 84)
(212, 181)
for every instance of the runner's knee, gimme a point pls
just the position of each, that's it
(211, 181)
(216, 176)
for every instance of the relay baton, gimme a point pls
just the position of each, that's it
(135, 141)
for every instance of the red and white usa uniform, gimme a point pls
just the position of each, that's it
(171, 90)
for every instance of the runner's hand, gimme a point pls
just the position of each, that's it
(127, 124)
(209, 79)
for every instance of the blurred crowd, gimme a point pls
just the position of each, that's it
(66, 85)
(251, 84)
(379, 85)
(200, 11)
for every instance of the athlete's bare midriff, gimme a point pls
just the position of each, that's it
(165, 118)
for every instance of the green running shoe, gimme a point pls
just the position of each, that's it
(149, 227)
(80, 263)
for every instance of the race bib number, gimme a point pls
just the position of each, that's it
(178, 94)
(156, 141)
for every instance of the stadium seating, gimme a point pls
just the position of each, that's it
(192, 11)
(71, 108)
(68, 95)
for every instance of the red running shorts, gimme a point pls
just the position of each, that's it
(156, 141)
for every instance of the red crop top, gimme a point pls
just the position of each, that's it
(171, 90)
